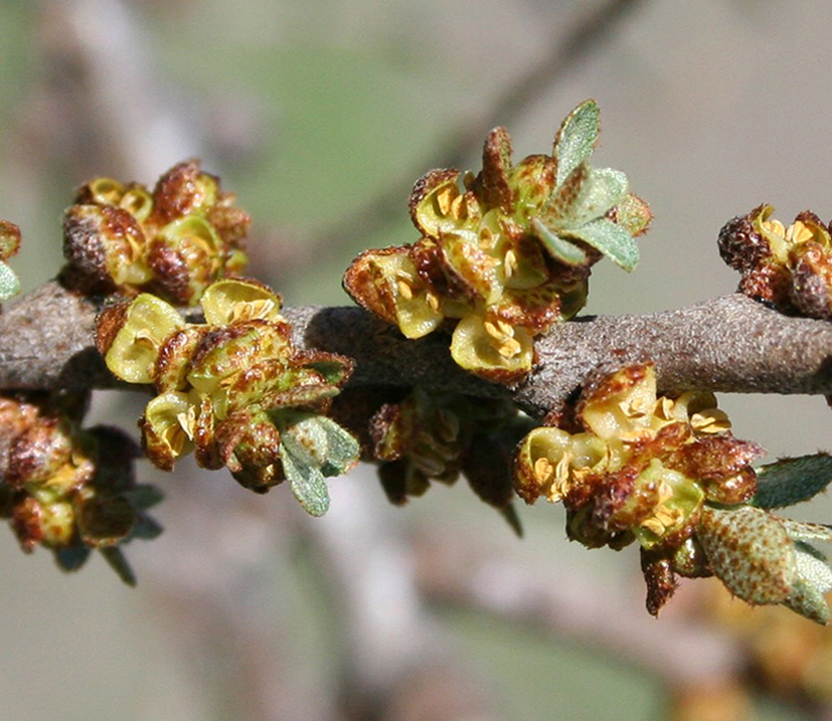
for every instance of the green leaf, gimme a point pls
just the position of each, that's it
(143, 496)
(802, 531)
(611, 239)
(749, 550)
(814, 580)
(305, 480)
(72, 558)
(792, 480)
(576, 139)
(312, 447)
(343, 449)
(146, 529)
(601, 191)
(115, 558)
(9, 283)
(513, 520)
(559, 248)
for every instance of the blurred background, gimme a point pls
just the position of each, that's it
(321, 115)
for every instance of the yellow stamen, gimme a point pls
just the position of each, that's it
(492, 330)
(458, 208)
(713, 420)
(798, 232)
(404, 290)
(544, 471)
(510, 349)
(510, 263)
(252, 310)
(444, 199)
(775, 226)
(145, 339)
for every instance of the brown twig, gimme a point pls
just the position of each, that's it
(726, 344)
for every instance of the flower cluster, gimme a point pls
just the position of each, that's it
(9, 246)
(509, 253)
(428, 436)
(233, 389)
(172, 242)
(69, 489)
(668, 473)
(790, 268)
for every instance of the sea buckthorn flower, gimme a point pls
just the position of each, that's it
(233, 389)
(69, 489)
(667, 472)
(427, 436)
(508, 253)
(789, 268)
(173, 241)
(9, 246)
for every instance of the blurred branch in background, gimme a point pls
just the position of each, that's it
(463, 140)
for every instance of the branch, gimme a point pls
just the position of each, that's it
(730, 344)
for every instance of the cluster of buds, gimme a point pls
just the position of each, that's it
(69, 489)
(789, 268)
(173, 242)
(426, 436)
(233, 389)
(667, 472)
(509, 253)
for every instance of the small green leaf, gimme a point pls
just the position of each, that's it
(305, 480)
(143, 496)
(146, 529)
(9, 283)
(611, 239)
(576, 138)
(342, 448)
(312, 447)
(814, 580)
(559, 248)
(601, 191)
(115, 558)
(509, 513)
(72, 558)
(802, 531)
(792, 480)
(749, 550)
(333, 370)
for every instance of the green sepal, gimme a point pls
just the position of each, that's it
(559, 248)
(576, 138)
(9, 282)
(792, 480)
(610, 239)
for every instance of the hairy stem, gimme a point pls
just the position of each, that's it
(729, 344)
